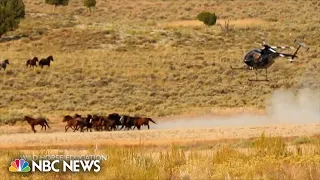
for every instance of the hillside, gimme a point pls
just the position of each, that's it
(152, 58)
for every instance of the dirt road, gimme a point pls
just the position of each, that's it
(166, 131)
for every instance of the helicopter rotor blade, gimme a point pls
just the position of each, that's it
(282, 47)
(272, 50)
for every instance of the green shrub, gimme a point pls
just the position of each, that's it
(11, 11)
(207, 18)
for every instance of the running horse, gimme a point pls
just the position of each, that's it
(3, 65)
(45, 61)
(72, 122)
(36, 121)
(32, 62)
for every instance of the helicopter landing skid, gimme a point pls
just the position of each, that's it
(240, 68)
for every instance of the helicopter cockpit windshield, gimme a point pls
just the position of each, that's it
(252, 56)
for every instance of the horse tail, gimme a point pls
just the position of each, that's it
(28, 62)
(152, 120)
(45, 121)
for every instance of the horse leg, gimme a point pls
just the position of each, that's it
(148, 126)
(66, 128)
(81, 128)
(32, 127)
(75, 128)
(139, 126)
(41, 127)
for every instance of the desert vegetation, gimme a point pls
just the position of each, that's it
(135, 58)
(257, 158)
(154, 58)
(207, 18)
(11, 12)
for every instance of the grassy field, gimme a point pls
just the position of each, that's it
(256, 158)
(151, 58)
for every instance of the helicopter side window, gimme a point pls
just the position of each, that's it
(256, 56)
(253, 56)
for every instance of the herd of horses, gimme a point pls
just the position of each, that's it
(30, 62)
(111, 122)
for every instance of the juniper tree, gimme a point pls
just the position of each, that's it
(11, 11)
(207, 18)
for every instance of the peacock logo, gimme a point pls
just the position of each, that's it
(19, 165)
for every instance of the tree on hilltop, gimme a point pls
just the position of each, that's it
(11, 11)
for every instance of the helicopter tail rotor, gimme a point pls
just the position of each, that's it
(302, 44)
(299, 46)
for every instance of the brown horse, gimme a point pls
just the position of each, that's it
(38, 121)
(139, 121)
(32, 62)
(45, 61)
(110, 124)
(98, 122)
(73, 122)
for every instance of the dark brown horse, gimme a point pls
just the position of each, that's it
(110, 124)
(36, 121)
(126, 121)
(3, 65)
(32, 62)
(139, 121)
(97, 122)
(45, 61)
(72, 122)
(86, 123)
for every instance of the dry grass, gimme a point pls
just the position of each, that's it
(120, 58)
(261, 158)
(149, 57)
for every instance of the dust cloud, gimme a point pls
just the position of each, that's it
(284, 107)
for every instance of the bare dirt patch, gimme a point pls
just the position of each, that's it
(163, 135)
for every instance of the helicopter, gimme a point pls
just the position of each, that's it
(264, 57)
